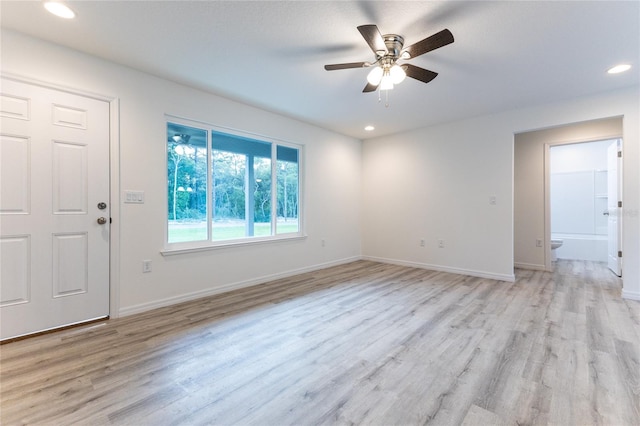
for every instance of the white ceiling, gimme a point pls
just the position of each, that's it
(271, 54)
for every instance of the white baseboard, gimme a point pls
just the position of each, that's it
(631, 295)
(481, 274)
(147, 306)
(531, 266)
(143, 307)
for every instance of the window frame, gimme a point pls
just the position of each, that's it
(210, 244)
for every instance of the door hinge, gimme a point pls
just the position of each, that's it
(619, 203)
(619, 254)
(619, 154)
(110, 220)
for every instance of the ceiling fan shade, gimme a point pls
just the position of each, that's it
(397, 74)
(375, 76)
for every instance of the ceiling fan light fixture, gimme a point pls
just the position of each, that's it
(375, 76)
(397, 74)
(388, 49)
(387, 82)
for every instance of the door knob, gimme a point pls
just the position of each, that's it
(102, 220)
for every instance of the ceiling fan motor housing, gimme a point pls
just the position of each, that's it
(394, 43)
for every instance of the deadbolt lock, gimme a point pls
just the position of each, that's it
(102, 206)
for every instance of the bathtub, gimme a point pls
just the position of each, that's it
(592, 247)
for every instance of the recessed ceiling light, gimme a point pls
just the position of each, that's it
(619, 68)
(369, 128)
(59, 10)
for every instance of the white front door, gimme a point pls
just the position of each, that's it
(54, 172)
(613, 211)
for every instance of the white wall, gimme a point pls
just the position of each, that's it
(435, 183)
(331, 179)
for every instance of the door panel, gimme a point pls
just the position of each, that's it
(70, 178)
(16, 266)
(15, 175)
(70, 266)
(54, 170)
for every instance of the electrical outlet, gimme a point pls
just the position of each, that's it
(146, 266)
(493, 200)
(323, 242)
(538, 242)
(422, 243)
(441, 243)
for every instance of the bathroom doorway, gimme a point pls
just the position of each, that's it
(584, 195)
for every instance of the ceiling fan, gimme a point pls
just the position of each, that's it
(389, 50)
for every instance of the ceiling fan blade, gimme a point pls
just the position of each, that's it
(334, 67)
(373, 38)
(369, 88)
(419, 73)
(433, 42)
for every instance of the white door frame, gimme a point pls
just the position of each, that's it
(114, 179)
(615, 205)
(547, 192)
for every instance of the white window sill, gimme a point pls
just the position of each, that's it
(201, 246)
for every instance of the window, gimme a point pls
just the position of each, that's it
(227, 187)
(187, 158)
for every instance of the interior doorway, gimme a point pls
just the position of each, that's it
(531, 212)
(583, 197)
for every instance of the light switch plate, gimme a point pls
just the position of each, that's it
(134, 197)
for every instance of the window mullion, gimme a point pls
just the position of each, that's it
(210, 189)
(274, 188)
(250, 202)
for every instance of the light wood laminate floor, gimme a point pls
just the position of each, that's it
(362, 343)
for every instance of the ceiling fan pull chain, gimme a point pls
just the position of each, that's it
(386, 95)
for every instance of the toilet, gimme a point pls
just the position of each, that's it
(555, 243)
